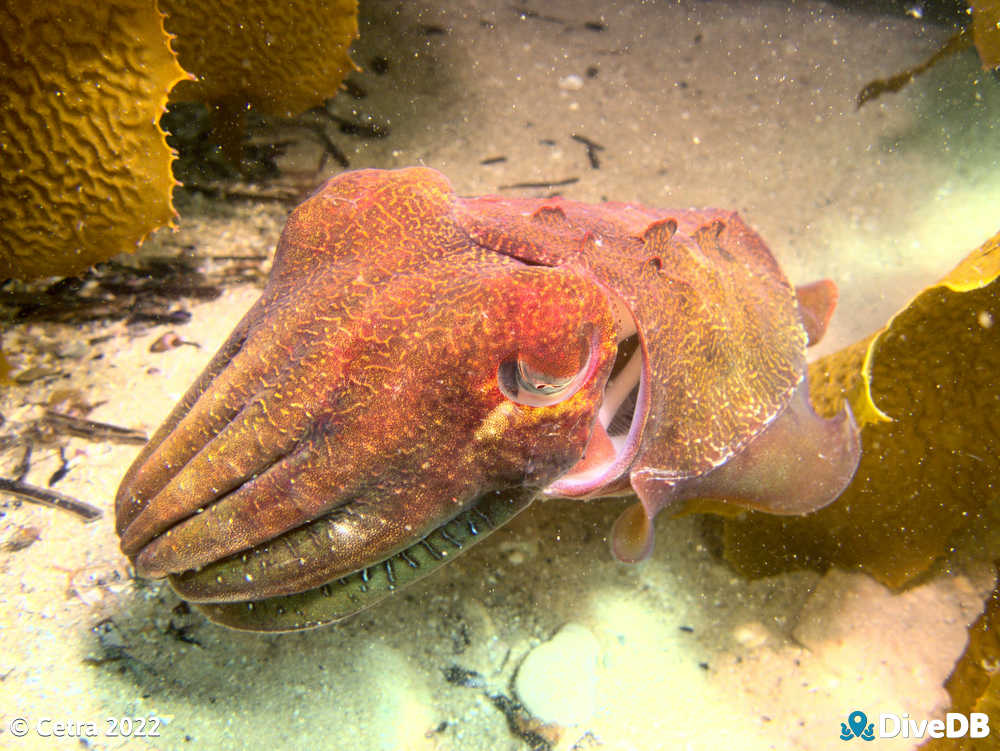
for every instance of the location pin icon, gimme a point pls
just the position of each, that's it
(857, 720)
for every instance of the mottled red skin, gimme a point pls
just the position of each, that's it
(356, 407)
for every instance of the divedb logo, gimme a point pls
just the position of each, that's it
(889, 725)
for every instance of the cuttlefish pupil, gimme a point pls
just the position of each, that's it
(421, 367)
(537, 382)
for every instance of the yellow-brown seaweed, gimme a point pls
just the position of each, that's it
(974, 684)
(279, 58)
(86, 172)
(86, 169)
(931, 470)
(986, 31)
(983, 33)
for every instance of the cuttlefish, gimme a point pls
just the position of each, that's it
(420, 367)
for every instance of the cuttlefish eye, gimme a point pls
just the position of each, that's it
(547, 376)
(525, 383)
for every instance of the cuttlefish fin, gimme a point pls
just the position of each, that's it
(799, 463)
(816, 303)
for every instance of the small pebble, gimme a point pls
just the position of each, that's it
(557, 681)
(571, 82)
(751, 634)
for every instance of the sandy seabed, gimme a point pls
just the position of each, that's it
(747, 106)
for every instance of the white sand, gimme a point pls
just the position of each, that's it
(758, 116)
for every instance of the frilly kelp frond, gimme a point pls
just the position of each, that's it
(86, 171)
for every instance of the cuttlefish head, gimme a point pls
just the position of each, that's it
(393, 379)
